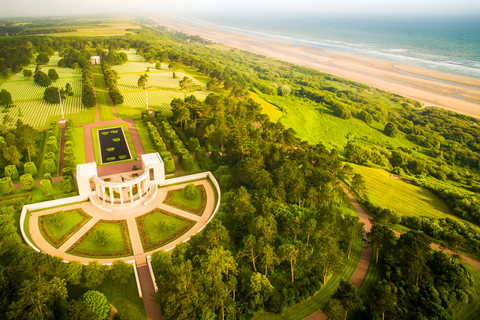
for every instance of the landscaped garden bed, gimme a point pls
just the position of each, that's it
(58, 227)
(114, 242)
(113, 145)
(175, 198)
(159, 227)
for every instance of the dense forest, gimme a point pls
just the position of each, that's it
(283, 228)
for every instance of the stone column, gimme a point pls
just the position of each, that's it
(131, 194)
(103, 193)
(140, 189)
(121, 194)
(111, 195)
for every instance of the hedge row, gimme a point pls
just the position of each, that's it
(111, 77)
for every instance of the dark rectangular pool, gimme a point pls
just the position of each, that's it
(113, 145)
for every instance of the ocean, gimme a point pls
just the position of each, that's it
(446, 44)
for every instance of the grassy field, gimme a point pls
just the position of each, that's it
(156, 80)
(319, 300)
(145, 138)
(96, 146)
(317, 124)
(471, 311)
(79, 145)
(123, 297)
(104, 105)
(178, 198)
(404, 198)
(28, 97)
(374, 274)
(159, 227)
(114, 242)
(94, 28)
(58, 232)
(269, 109)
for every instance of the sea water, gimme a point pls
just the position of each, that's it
(446, 44)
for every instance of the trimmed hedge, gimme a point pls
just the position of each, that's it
(11, 172)
(47, 188)
(187, 162)
(50, 166)
(193, 144)
(30, 168)
(27, 182)
(169, 164)
(6, 185)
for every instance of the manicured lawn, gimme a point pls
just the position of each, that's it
(178, 198)
(319, 300)
(144, 136)
(127, 136)
(374, 274)
(79, 145)
(160, 228)
(60, 233)
(104, 105)
(114, 244)
(79, 119)
(123, 297)
(404, 198)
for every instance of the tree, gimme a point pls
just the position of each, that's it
(97, 303)
(190, 191)
(29, 167)
(186, 85)
(6, 185)
(74, 272)
(142, 81)
(47, 188)
(42, 58)
(352, 229)
(380, 236)
(348, 296)
(100, 237)
(6, 99)
(391, 129)
(382, 298)
(68, 89)
(290, 253)
(67, 184)
(42, 79)
(334, 310)
(27, 73)
(359, 185)
(50, 166)
(27, 182)
(11, 172)
(94, 274)
(12, 155)
(365, 116)
(120, 272)
(53, 75)
(58, 217)
(78, 310)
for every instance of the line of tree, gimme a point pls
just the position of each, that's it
(88, 93)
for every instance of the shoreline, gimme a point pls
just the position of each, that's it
(432, 88)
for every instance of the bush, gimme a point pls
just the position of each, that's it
(69, 124)
(177, 145)
(391, 129)
(187, 162)
(69, 135)
(165, 154)
(29, 167)
(52, 74)
(50, 166)
(27, 182)
(190, 191)
(52, 144)
(200, 154)
(11, 172)
(181, 153)
(160, 147)
(68, 171)
(68, 152)
(50, 155)
(67, 184)
(169, 164)
(47, 176)
(69, 162)
(68, 144)
(193, 144)
(97, 303)
(42, 79)
(47, 188)
(6, 185)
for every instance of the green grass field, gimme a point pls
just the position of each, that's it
(145, 138)
(404, 198)
(159, 227)
(79, 145)
(114, 241)
(104, 105)
(194, 204)
(319, 300)
(374, 274)
(317, 124)
(471, 311)
(269, 109)
(96, 146)
(67, 224)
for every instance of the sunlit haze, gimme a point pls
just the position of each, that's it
(21, 8)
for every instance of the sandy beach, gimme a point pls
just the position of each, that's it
(460, 94)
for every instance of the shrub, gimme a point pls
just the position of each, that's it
(187, 162)
(97, 303)
(69, 135)
(190, 191)
(52, 144)
(181, 153)
(160, 147)
(29, 167)
(50, 166)
(169, 164)
(50, 155)
(67, 184)
(68, 152)
(6, 185)
(391, 129)
(42, 79)
(68, 144)
(69, 162)
(193, 144)
(11, 171)
(200, 154)
(165, 154)
(52, 74)
(177, 145)
(68, 171)
(120, 271)
(69, 124)
(47, 176)
(47, 188)
(27, 182)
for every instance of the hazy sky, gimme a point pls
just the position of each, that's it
(19, 8)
